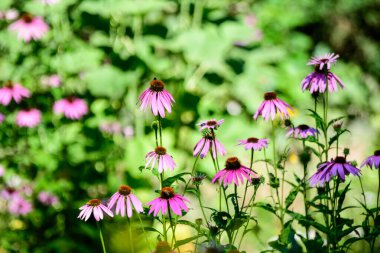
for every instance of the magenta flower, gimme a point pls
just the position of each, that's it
(29, 28)
(254, 143)
(123, 199)
(47, 198)
(13, 91)
(373, 160)
(210, 124)
(9, 192)
(233, 173)
(71, 107)
(316, 82)
(271, 106)
(323, 61)
(302, 132)
(2, 171)
(49, 2)
(110, 127)
(10, 14)
(338, 167)
(158, 98)
(28, 118)
(19, 206)
(168, 199)
(165, 161)
(207, 142)
(51, 81)
(94, 206)
(128, 132)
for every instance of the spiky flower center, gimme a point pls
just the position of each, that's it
(27, 18)
(340, 159)
(8, 84)
(160, 150)
(377, 153)
(252, 140)
(125, 190)
(233, 163)
(10, 190)
(70, 99)
(94, 202)
(211, 123)
(167, 193)
(157, 85)
(198, 178)
(270, 95)
(303, 127)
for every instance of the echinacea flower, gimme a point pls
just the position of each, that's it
(271, 106)
(49, 2)
(168, 199)
(338, 167)
(159, 155)
(13, 91)
(198, 178)
(8, 193)
(72, 107)
(254, 143)
(94, 206)
(233, 173)
(158, 98)
(110, 127)
(47, 198)
(302, 132)
(19, 206)
(207, 142)
(29, 28)
(210, 124)
(10, 14)
(373, 160)
(323, 61)
(124, 200)
(28, 118)
(51, 81)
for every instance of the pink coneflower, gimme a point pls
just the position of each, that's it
(316, 82)
(19, 206)
(338, 167)
(271, 106)
(207, 142)
(8, 193)
(49, 2)
(13, 91)
(233, 173)
(110, 127)
(47, 198)
(210, 124)
(28, 118)
(71, 107)
(94, 206)
(302, 132)
(254, 143)
(2, 171)
(124, 200)
(158, 98)
(128, 132)
(10, 14)
(159, 155)
(51, 81)
(168, 199)
(29, 28)
(323, 61)
(373, 160)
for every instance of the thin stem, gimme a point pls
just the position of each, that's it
(378, 194)
(171, 225)
(142, 227)
(101, 237)
(305, 188)
(201, 206)
(361, 186)
(237, 201)
(130, 234)
(275, 171)
(246, 183)
(193, 169)
(160, 128)
(196, 241)
(198, 13)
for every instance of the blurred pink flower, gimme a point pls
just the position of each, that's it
(168, 199)
(94, 206)
(71, 107)
(19, 206)
(47, 198)
(2, 171)
(49, 2)
(210, 124)
(10, 14)
(124, 200)
(323, 61)
(110, 127)
(28, 118)
(51, 81)
(254, 143)
(8, 193)
(159, 155)
(13, 91)
(128, 132)
(29, 28)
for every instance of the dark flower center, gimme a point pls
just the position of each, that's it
(211, 123)
(198, 178)
(340, 159)
(125, 190)
(377, 153)
(70, 99)
(157, 85)
(232, 163)
(8, 84)
(252, 140)
(270, 95)
(160, 150)
(27, 18)
(94, 202)
(10, 190)
(167, 193)
(303, 127)
(163, 247)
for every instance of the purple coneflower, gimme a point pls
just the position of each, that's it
(96, 206)
(210, 124)
(29, 28)
(124, 200)
(110, 127)
(338, 167)
(8, 193)
(2, 171)
(254, 143)
(158, 98)
(28, 118)
(324, 60)
(71, 107)
(13, 91)
(233, 173)
(10, 14)
(19, 206)
(47, 198)
(168, 199)
(271, 106)
(51, 81)
(206, 142)
(302, 132)
(165, 161)
(373, 160)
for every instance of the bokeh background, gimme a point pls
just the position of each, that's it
(217, 58)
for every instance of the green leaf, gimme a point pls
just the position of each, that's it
(292, 196)
(184, 241)
(342, 197)
(266, 206)
(318, 119)
(337, 135)
(170, 180)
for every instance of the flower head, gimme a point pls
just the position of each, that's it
(198, 178)
(71, 107)
(233, 173)
(271, 106)
(94, 206)
(47, 198)
(254, 143)
(163, 247)
(28, 118)
(49, 2)
(10, 14)
(110, 127)
(124, 200)
(51, 81)
(19, 206)
(13, 91)
(158, 98)
(337, 167)
(373, 160)
(302, 132)
(323, 61)
(207, 142)
(29, 27)
(168, 199)
(159, 155)
(210, 124)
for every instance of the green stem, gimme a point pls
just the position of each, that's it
(193, 169)
(201, 206)
(171, 225)
(275, 172)
(378, 194)
(237, 201)
(101, 237)
(305, 188)
(246, 183)
(198, 13)
(130, 234)
(160, 128)
(146, 237)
